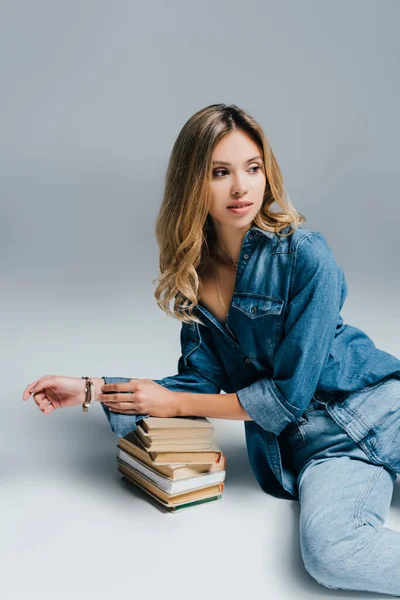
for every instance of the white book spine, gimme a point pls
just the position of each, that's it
(169, 486)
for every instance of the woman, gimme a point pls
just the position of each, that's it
(259, 299)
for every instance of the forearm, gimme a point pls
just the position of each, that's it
(219, 406)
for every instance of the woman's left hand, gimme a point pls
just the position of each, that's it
(139, 397)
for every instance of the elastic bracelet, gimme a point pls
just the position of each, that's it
(88, 394)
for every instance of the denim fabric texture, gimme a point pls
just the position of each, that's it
(284, 345)
(346, 453)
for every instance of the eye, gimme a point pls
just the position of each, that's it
(217, 172)
(220, 172)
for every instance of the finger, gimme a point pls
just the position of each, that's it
(44, 406)
(125, 411)
(27, 390)
(36, 386)
(38, 398)
(116, 397)
(121, 406)
(119, 387)
(32, 386)
(48, 408)
(44, 403)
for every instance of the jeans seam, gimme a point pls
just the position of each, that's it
(360, 437)
(373, 456)
(363, 497)
(357, 420)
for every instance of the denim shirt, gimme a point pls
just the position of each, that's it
(283, 342)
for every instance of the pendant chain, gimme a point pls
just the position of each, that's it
(234, 264)
(218, 290)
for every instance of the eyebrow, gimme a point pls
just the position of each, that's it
(221, 162)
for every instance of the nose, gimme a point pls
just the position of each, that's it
(238, 188)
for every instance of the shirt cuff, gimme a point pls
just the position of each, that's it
(266, 405)
(121, 424)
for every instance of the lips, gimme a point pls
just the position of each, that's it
(240, 205)
(243, 209)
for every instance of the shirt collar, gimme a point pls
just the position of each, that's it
(262, 231)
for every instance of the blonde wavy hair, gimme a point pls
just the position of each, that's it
(184, 230)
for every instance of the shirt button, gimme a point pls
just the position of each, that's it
(250, 236)
(248, 360)
(196, 340)
(246, 256)
(254, 309)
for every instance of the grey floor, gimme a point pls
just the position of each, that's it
(70, 527)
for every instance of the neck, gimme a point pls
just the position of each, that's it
(230, 240)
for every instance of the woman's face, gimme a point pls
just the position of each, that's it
(239, 181)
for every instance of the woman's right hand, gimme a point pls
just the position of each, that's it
(54, 391)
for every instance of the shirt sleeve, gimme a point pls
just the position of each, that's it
(315, 299)
(200, 371)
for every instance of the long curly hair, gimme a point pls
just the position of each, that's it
(184, 231)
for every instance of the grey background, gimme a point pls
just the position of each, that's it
(94, 94)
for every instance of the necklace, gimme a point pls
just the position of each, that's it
(218, 290)
(234, 263)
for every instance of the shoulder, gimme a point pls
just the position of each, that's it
(306, 262)
(313, 258)
(311, 244)
(301, 239)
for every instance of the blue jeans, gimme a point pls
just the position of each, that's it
(346, 454)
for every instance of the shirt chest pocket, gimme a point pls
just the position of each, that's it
(257, 320)
(256, 306)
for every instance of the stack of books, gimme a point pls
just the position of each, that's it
(174, 460)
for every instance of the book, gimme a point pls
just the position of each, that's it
(175, 499)
(192, 456)
(168, 434)
(177, 425)
(172, 443)
(174, 471)
(166, 484)
(175, 461)
(162, 506)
